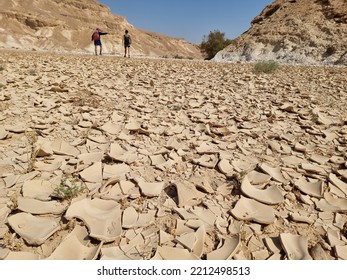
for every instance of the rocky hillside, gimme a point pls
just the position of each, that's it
(67, 25)
(295, 31)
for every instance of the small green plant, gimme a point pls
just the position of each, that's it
(32, 72)
(74, 120)
(177, 56)
(177, 107)
(69, 188)
(266, 66)
(242, 174)
(11, 242)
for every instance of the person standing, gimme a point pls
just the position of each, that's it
(127, 42)
(96, 37)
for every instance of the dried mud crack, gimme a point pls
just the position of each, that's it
(109, 158)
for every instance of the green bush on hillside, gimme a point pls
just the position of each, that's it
(214, 43)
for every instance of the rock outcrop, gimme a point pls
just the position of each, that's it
(294, 31)
(67, 25)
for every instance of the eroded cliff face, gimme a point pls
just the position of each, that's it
(294, 31)
(67, 25)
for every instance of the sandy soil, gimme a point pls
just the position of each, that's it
(112, 158)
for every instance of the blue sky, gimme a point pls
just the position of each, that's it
(189, 19)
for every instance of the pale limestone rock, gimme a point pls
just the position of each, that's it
(225, 167)
(260, 255)
(340, 220)
(101, 139)
(227, 250)
(170, 253)
(164, 237)
(200, 235)
(113, 253)
(205, 215)
(74, 247)
(3, 133)
(340, 203)
(10, 180)
(38, 189)
(34, 230)
(318, 253)
(257, 178)
(303, 217)
(102, 217)
(343, 172)
(319, 159)
(117, 171)
(109, 191)
(61, 147)
(334, 238)
(4, 253)
(182, 227)
(185, 214)
(129, 188)
(271, 195)
(273, 244)
(311, 188)
(202, 183)
(292, 161)
(265, 41)
(90, 158)
(188, 195)
(49, 167)
(243, 165)
(312, 168)
(187, 240)
(274, 172)
(16, 256)
(130, 217)
(146, 219)
(209, 161)
(295, 246)
(151, 189)
(111, 128)
(118, 153)
(44, 149)
(251, 210)
(93, 174)
(17, 128)
(35, 206)
(338, 183)
(341, 252)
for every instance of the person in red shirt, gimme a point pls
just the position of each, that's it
(96, 37)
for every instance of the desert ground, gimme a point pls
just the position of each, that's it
(137, 159)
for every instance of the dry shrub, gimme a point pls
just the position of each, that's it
(266, 66)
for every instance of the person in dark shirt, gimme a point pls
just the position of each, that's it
(96, 37)
(127, 42)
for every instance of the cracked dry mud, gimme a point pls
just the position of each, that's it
(109, 158)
